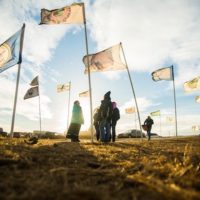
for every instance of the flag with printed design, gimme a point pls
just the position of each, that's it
(130, 110)
(84, 94)
(72, 14)
(35, 81)
(32, 92)
(192, 85)
(63, 87)
(155, 113)
(197, 99)
(10, 50)
(162, 74)
(195, 128)
(106, 60)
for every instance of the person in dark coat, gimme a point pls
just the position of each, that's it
(148, 122)
(96, 118)
(105, 117)
(76, 121)
(114, 119)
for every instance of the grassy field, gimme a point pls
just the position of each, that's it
(129, 169)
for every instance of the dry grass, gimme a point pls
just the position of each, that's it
(126, 170)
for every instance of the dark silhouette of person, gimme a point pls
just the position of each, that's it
(96, 123)
(76, 121)
(149, 122)
(114, 119)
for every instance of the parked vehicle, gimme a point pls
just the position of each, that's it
(2, 133)
(133, 133)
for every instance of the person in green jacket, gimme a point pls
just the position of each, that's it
(76, 121)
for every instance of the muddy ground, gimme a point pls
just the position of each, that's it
(129, 169)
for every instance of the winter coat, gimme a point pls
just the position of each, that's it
(115, 116)
(77, 115)
(106, 110)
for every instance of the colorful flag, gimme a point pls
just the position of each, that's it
(130, 110)
(63, 87)
(67, 15)
(162, 74)
(10, 50)
(84, 94)
(34, 82)
(192, 85)
(155, 113)
(32, 92)
(106, 60)
(197, 98)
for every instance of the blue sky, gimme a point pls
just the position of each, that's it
(154, 34)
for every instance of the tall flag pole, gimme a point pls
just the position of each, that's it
(39, 107)
(89, 79)
(132, 91)
(17, 81)
(68, 105)
(175, 111)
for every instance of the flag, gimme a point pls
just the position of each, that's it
(195, 128)
(10, 50)
(106, 60)
(84, 94)
(192, 85)
(34, 82)
(63, 87)
(162, 74)
(169, 119)
(130, 110)
(155, 113)
(32, 92)
(72, 14)
(197, 98)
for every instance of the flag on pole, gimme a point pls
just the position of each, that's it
(195, 128)
(197, 99)
(63, 87)
(192, 85)
(162, 74)
(84, 94)
(155, 113)
(169, 119)
(10, 51)
(106, 60)
(130, 110)
(35, 81)
(72, 14)
(32, 92)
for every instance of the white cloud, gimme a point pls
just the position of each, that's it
(153, 33)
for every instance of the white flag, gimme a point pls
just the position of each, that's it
(84, 94)
(195, 128)
(192, 85)
(106, 60)
(162, 74)
(32, 92)
(63, 87)
(34, 82)
(67, 15)
(197, 98)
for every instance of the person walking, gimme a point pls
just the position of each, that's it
(114, 119)
(76, 121)
(148, 122)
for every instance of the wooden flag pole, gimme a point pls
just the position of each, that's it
(132, 91)
(39, 106)
(68, 105)
(175, 112)
(89, 79)
(17, 82)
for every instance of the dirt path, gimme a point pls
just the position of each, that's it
(127, 169)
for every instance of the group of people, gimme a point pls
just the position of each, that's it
(105, 120)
